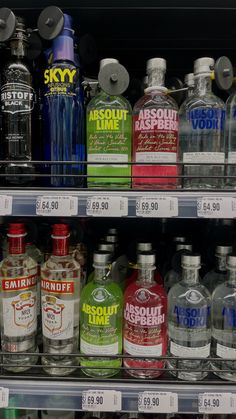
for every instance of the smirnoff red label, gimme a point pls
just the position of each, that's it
(57, 287)
(16, 284)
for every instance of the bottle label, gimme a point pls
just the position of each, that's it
(207, 119)
(204, 157)
(232, 157)
(17, 98)
(60, 81)
(20, 310)
(57, 312)
(188, 352)
(229, 316)
(192, 317)
(225, 352)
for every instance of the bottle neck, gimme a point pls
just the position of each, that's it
(203, 84)
(232, 277)
(156, 80)
(60, 246)
(190, 91)
(101, 274)
(190, 275)
(221, 263)
(63, 49)
(16, 245)
(146, 274)
(18, 48)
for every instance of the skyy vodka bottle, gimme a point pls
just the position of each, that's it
(189, 323)
(145, 321)
(101, 320)
(202, 118)
(224, 324)
(109, 139)
(218, 275)
(155, 132)
(18, 275)
(60, 293)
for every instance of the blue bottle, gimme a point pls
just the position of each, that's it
(63, 111)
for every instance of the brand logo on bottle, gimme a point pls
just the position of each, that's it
(207, 118)
(108, 119)
(59, 75)
(192, 317)
(100, 294)
(230, 316)
(24, 310)
(98, 315)
(52, 314)
(156, 119)
(142, 295)
(17, 98)
(57, 287)
(144, 316)
(194, 296)
(14, 284)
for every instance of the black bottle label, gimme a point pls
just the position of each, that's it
(17, 98)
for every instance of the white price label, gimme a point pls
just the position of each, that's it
(216, 207)
(62, 206)
(216, 403)
(161, 206)
(107, 206)
(4, 397)
(156, 402)
(5, 205)
(101, 400)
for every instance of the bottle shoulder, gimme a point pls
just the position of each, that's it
(208, 100)
(18, 261)
(135, 288)
(193, 294)
(17, 65)
(100, 293)
(155, 99)
(225, 291)
(60, 263)
(103, 100)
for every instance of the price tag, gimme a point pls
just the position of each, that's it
(4, 397)
(57, 206)
(156, 402)
(107, 206)
(216, 403)
(161, 206)
(224, 207)
(5, 205)
(101, 400)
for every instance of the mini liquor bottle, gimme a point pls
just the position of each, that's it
(189, 323)
(101, 308)
(18, 99)
(155, 132)
(173, 276)
(60, 294)
(18, 275)
(202, 118)
(224, 324)
(109, 139)
(218, 275)
(145, 321)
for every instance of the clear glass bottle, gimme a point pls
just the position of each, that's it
(202, 117)
(155, 132)
(189, 323)
(60, 294)
(189, 82)
(173, 276)
(109, 139)
(145, 321)
(101, 320)
(230, 140)
(224, 324)
(218, 275)
(18, 275)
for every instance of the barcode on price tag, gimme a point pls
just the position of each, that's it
(158, 402)
(107, 206)
(4, 397)
(57, 206)
(161, 206)
(224, 207)
(101, 400)
(5, 205)
(216, 403)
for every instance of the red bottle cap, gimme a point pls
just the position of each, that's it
(16, 229)
(60, 230)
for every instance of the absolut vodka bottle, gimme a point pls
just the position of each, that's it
(218, 275)
(189, 322)
(173, 276)
(189, 82)
(202, 117)
(230, 138)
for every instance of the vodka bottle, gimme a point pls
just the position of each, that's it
(109, 139)
(60, 292)
(224, 324)
(189, 82)
(173, 276)
(230, 139)
(189, 323)
(202, 117)
(155, 132)
(101, 320)
(218, 275)
(145, 321)
(18, 275)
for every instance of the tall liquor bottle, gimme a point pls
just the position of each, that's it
(101, 320)
(63, 111)
(145, 321)
(109, 139)
(60, 292)
(18, 275)
(17, 105)
(218, 275)
(155, 132)
(230, 138)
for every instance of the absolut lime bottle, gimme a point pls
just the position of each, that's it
(108, 139)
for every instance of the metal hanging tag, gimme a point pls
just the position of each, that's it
(223, 73)
(7, 24)
(50, 22)
(113, 78)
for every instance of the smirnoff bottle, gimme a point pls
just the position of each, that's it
(101, 320)
(218, 275)
(189, 323)
(18, 274)
(155, 132)
(224, 324)
(145, 321)
(60, 293)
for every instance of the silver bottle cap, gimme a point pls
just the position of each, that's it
(112, 231)
(154, 63)
(231, 262)
(189, 79)
(146, 258)
(111, 238)
(203, 65)
(223, 250)
(106, 247)
(191, 261)
(106, 61)
(144, 247)
(179, 239)
(102, 257)
(184, 246)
